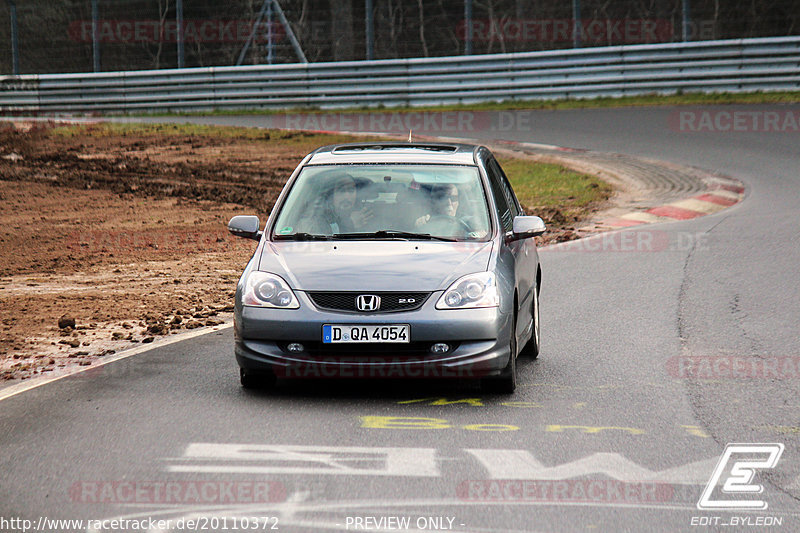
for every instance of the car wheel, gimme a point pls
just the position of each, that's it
(506, 382)
(255, 379)
(531, 349)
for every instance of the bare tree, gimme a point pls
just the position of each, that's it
(450, 33)
(422, 28)
(155, 57)
(342, 30)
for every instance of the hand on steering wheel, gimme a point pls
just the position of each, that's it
(445, 223)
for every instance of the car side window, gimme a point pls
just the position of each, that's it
(504, 211)
(513, 203)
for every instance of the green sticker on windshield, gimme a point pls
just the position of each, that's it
(286, 230)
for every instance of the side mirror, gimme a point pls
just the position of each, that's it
(245, 226)
(526, 227)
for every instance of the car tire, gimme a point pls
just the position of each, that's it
(531, 348)
(506, 382)
(256, 379)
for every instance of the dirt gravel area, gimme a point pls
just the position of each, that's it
(110, 240)
(165, 265)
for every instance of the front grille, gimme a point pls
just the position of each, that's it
(390, 301)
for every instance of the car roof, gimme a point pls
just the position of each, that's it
(395, 152)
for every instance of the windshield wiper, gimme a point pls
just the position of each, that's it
(301, 236)
(392, 234)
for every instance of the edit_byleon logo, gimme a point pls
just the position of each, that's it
(737, 467)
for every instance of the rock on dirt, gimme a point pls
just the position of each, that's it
(66, 322)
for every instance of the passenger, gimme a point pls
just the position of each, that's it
(337, 213)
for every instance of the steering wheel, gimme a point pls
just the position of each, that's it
(447, 225)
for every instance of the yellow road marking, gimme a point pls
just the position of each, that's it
(697, 431)
(490, 427)
(403, 422)
(521, 404)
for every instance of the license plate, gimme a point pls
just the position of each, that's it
(338, 333)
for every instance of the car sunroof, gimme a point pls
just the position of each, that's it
(428, 147)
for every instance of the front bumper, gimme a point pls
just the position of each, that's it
(479, 339)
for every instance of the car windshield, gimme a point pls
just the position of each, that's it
(380, 201)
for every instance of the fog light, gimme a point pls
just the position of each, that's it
(295, 347)
(440, 347)
(284, 299)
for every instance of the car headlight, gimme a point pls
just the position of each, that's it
(262, 289)
(469, 292)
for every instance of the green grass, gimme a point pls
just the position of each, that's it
(682, 99)
(538, 185)
(543, 186)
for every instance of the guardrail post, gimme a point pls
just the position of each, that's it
(12, 7)
(95, 38)
(179, 20)
(270, 44)
(467, 27)
(576, 23)
(686, 19)
(370, 29)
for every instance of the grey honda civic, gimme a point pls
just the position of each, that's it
(390, 260)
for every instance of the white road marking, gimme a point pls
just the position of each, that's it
(521, 464)
(418, 462)
(335, 460)
(33, 383)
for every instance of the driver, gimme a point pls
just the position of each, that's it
(444, 202)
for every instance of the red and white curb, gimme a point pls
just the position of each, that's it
(721, 194)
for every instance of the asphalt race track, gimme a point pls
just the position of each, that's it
(609, 430)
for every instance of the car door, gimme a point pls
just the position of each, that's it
(528, 260)
(523, 251)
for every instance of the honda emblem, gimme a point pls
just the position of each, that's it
(368, 302)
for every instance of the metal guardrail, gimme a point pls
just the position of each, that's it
(767, 64)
